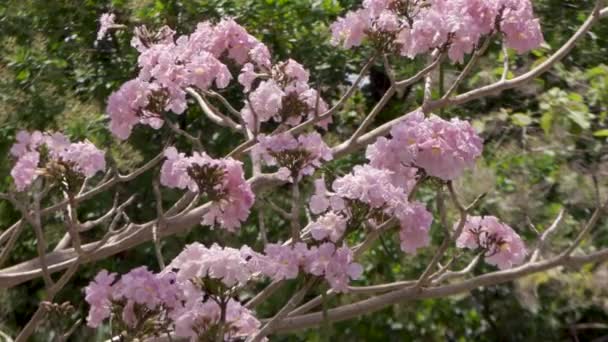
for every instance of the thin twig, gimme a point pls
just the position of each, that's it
(545, 236)
(505, 62)
(469, 67)
(160, 224)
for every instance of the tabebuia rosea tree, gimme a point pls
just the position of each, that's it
(282, 122)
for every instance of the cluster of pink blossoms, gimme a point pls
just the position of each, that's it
(229, 265)
(162, 303)
(187, 297)
(106, 21)
(283, 94)
(416, 27)
(221, 180)
(169, 66)
(374, 188)
(235, 267)
(502, 246)
(298, 157)
(336, 265)
(135, 293)
(442, 148)
(197, 318)
(51, 154)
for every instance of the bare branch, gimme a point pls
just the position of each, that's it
(505, 62)
(246, 146)
(215, 116)
(376, 303)
(530, 75)
(291, 304)
(160, 224)
(15, 232)
(196, 142)
(469, 67)
(453, 274)
(545, 236)
(449, 238)
(365, 139)
(586, 229)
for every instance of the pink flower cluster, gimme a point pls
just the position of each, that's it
(106, 21)
(37, 153)
(197, 317)
(221, 180)
(502, 246)
(299, 156)
(374, 188)
(169, 302)
(228, 265)
(235, 267)
(185, 296)
(283, 95)
(139, 289)
(442, 148)
(169, 66)
(335, 264)
(414, 28)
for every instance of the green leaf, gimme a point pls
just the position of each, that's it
(602, 133)
(23, 75)
(546, 122)
(580, 118)
(521, 119)
(575, 97)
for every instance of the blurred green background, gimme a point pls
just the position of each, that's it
(544, 144)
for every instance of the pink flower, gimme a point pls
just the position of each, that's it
(26, 142)
(233, 209)
(106, 22)
(222, 180)
(319, 202)
(296, 72)
(301, 156)
(198, 317)
(502, 246)
(247, 76)
(450, 147)
(24, 171)
(82, 158)
(388, 21)
(87, 158)
(341, 269)
(126, 105)
(98, 295)
(319, 258)
(233, 38)
(284, 262)
(415, 225)
(368, 185)
(231, 266)
(203, 69)
(330, 226)
(264, 103)
(522, 31)
(442, 148)
(174, 171)
(350, 30)
(458, 25)
(260, 55)
(143, 287)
